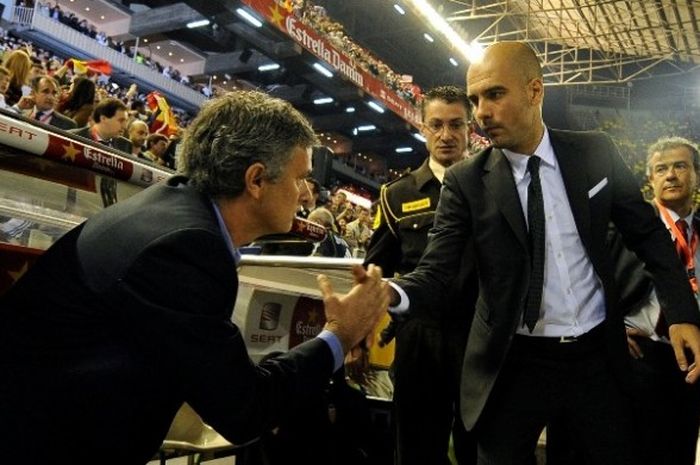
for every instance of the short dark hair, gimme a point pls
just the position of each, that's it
(236, 130)
(107, 108)
(153, 139)
(37, 81)
(448, 94)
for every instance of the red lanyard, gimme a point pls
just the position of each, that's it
(682, 245)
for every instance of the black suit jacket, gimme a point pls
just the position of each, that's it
(479, 201)
(61, 121)
(125, 318)
(119, 143)
(633, 280)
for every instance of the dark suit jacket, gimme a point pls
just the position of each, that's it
(119, 143)
(125, 318)
(61, 121)
(633, 281)
(479, 201)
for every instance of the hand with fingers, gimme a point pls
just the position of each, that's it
(351, 317)
(686, 337)
(632, 345)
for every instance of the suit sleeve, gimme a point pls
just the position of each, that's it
(179, 296)
(643, 233)
(447, 240)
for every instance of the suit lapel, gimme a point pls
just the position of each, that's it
(574, 172)
(498, 180)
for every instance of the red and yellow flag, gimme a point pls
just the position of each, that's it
(89, 67)
(163, 120)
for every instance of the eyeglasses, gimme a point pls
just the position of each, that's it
(436, 126)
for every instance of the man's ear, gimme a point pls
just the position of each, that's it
(254, 179)
(536, 89)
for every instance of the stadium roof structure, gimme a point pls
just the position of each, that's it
(590, 41)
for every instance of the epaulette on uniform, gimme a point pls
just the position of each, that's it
(405, 173)
(384, 203)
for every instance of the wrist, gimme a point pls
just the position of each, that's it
(335, 328)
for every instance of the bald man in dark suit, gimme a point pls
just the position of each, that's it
(547, 339)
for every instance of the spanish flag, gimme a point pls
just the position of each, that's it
(89, 67)
(163, 120)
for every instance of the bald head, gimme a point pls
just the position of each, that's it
(506, 92)
(138, 132)
(518, 55)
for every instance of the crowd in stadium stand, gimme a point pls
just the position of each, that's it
(316, 17)
(81, 25)
(77, 96)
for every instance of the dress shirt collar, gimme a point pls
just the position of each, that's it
(44, 114)
(518, 161)
(437, 169)
(227, 236)
(675, 217)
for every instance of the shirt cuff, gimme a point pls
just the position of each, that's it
(404, 303)
(336, 348)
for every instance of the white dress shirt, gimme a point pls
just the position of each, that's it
(573, 301)
(646, 316)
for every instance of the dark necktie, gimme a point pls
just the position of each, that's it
(535, 221)
(662, 325)
(38, 115)
(683, 228)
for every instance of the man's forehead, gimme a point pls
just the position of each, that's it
(672, 154)
(439, 109)
(45, 84)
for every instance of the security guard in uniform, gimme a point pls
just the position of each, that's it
(430, 341)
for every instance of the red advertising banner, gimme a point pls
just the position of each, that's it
(279, 13)
(36, 140)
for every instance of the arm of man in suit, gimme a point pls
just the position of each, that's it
(443, 255)
(190, 330)
(644, 233)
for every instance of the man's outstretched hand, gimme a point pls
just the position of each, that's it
(352, 316)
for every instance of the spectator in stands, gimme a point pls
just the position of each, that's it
(174, 148)
(79, 103)
(156, 146)
(137, 109)
(338, 203)
(309, 198)
(333, 245)
(40, 104)
(138, 133)
(19, 64)
(5, 77)
(110, 120)
(37, 69)
(358, 233)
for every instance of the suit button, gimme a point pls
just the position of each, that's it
(415, 225)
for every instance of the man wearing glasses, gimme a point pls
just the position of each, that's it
(430, 341)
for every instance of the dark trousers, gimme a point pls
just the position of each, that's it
(543, 380)
(668, 407)
(426, 374)
(667, 413)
